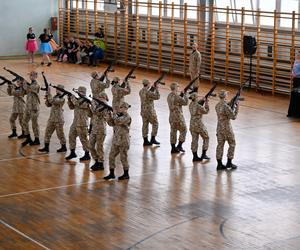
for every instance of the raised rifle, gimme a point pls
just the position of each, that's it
(64, 92)
(103, 104)
(46, 83)
(235, 100)
(108, 69)
(210, 92)
(83, 97)
(158, 81)
(5, 81)
(189, 86)
(129, 75)
(17, 77)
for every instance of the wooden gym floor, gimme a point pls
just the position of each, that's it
(169, 202)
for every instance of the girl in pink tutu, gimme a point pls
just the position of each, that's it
(31, 45)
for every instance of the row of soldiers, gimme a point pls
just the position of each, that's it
(118, 117)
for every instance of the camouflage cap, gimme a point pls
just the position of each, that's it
(173, 85)
(82, 89)
(116, 79)
(61, 86)
(94, 74)
(223, 93)
(103, 95)
(124, 105)
(193, 96)
(33, 73)
(146, 82)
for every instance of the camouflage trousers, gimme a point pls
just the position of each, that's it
(96, 146)
(152, 119)
(195, 138)
(59, 128)
(177, 126)
(13, 118)
(114, 151)
(194, 74)
(222, 138)
(33, 116)
(80, 131)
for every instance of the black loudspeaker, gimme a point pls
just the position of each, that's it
(249, 45)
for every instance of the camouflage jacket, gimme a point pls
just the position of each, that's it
(147, 97)
(56, 103)
(225, 114)
(81, 109)
(33, 99)
(175, 102)
(18, 94)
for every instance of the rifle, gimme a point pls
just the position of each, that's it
(85, 99)
(108, 69)
(189, 86)
(65, 92)
(210, 92)
(129, 75)
(103, 104)
(17, 77)
(46, 83)
(158, 81)
(5, 81)
(235, 100)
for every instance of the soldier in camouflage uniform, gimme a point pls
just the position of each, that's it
(119, 92)
(194, 66)
(79, 126)
(55, 121)
(98, 86)
(176, 118)
(32, 109)
(224, 131)
(18, 93)
(147, 96)
(120, 144)
(197, 127)
(98, 132)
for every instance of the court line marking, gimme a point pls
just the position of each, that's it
(24, 235)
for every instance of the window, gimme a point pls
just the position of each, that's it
(80, 6)
(248, 5)
(267, 18)
(192, 8)
(288, 6)
(221, 16)
(155, 8)
(143, 7)
(176, 8)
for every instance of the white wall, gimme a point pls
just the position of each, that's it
(16, 16)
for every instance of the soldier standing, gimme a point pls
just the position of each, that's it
(79, 126)
(118, 92)
(176, 118)
(56, 120)
(98, 132)
(98, 86)
(120, 144)
(32, 109)
(147, 96)
(224, 131)
(18, 93)
(194, 66)
(197, 127)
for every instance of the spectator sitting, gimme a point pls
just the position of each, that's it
(100, 33)
(78, 45)
(62, 50)
(98, 53)
(71, 47)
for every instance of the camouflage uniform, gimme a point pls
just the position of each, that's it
(147, 110)
(121, 139)
(79, 126)
(98, 132)
(224, 129)
(194, 66)
(118, 94)
(18, 105)
(98, 86)
(56, 119)
(176, 118)
(196, 125)
(32, 108)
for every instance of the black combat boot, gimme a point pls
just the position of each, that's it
(174, 150)
(111, 175)
(97, 166)
(125, 176)
(146, 142)
(71, 155)
(229, 164)
(13, 134)
(195, 157)
(63, 148)
(27, 141)
(204, 156)
(154, 141)
(35, 142)
(220, 165)
(22, 136)
(86, 156)
(45, 149)
(179, 147)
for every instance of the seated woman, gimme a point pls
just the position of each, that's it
(294, 108)
(98, 53)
